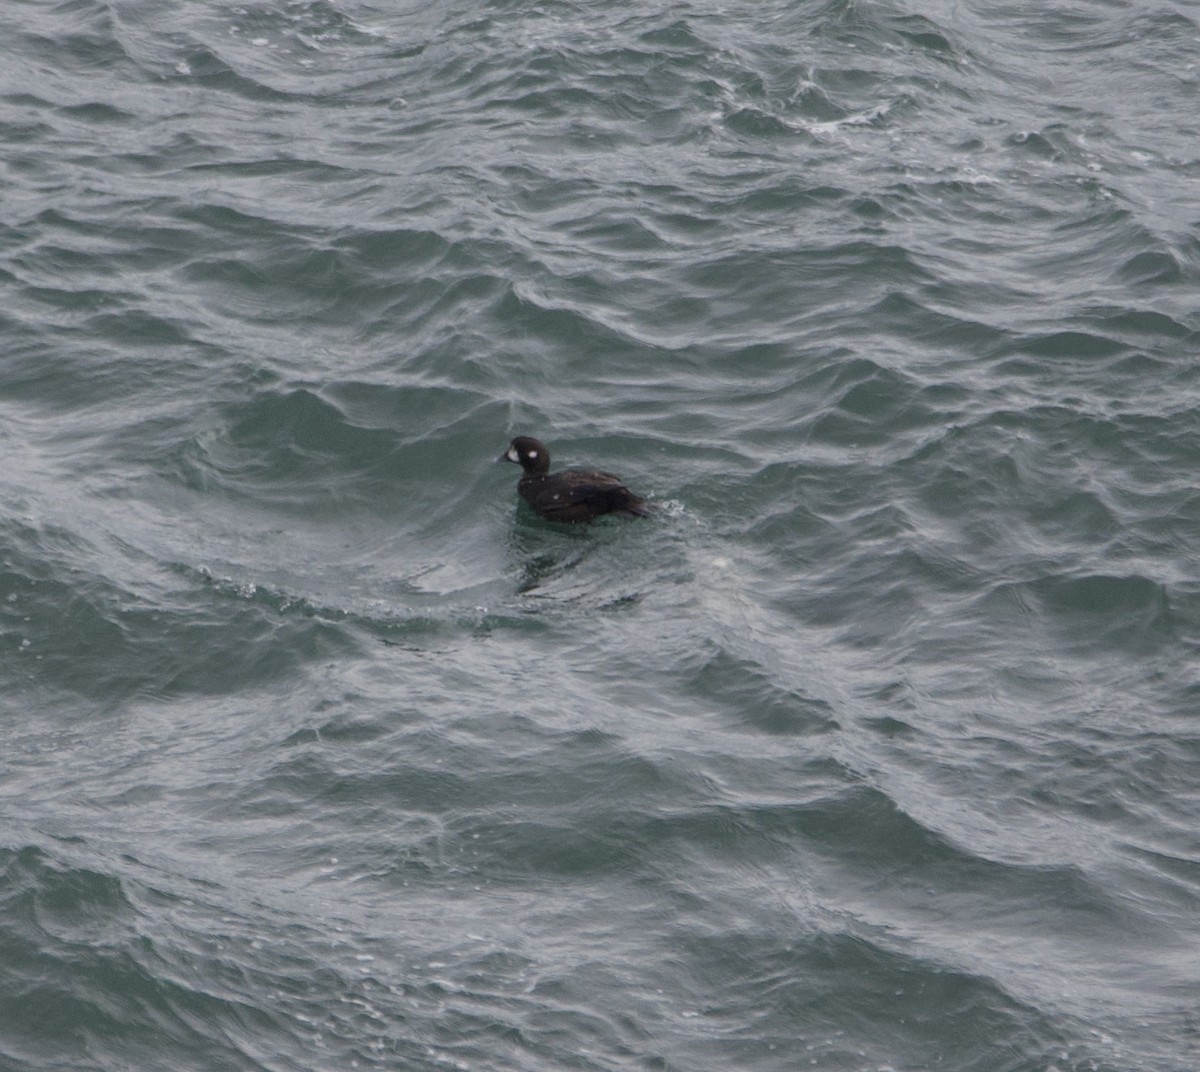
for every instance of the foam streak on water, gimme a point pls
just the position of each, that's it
(874, 749)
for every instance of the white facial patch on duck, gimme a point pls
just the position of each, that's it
(511, 454)
(533, 453)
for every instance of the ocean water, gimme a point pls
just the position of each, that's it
(875, 748)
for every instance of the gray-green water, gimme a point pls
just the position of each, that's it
(875, 749)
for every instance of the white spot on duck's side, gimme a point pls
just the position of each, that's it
(511, 454)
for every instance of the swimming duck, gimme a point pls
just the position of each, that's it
(570, 495)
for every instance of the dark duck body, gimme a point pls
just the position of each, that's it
(571, 495)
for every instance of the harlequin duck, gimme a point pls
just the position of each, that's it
(572, 495)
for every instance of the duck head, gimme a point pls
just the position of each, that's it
(530, 454)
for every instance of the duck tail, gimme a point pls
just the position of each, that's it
(630, 505)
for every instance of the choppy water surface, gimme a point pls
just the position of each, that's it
(876, 748)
